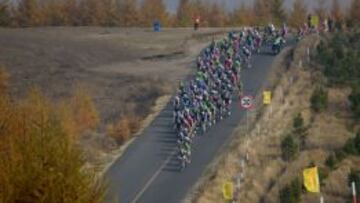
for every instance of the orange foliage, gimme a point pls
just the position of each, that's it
(39, 162)
(298, 14)
(29, 13)
(64, 110)
(3, 81)
(120, 131)
(134, 123)
(128, 13)
(262, 9)
(242, 16)
(152, 10)
(184, 14)
(336, 11)
(123, 129)
(217, 16)
(83, 110)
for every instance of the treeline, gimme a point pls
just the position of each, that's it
(127, 13)
(40, 160)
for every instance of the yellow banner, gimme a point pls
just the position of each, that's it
(311, 179)
(267, 97)
(315, 21)
(228, 190)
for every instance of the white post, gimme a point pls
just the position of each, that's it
(242, 164)
(354, 192)
(271, 110)
(238, 182)
(300, 63)
(308, 54)
(321, 199)
(247, 121)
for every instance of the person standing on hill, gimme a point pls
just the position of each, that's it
(197, 23)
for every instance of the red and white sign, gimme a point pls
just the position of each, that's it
(247, 102)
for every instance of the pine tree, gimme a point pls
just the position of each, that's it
(184, 14)
(298, 14)
(278, 12)
(299, 130)
(152, 10)
(289, 148)
(291, 193)
(354, 99)
(319, 99)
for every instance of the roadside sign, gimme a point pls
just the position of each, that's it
(228, 190)
(267, 97)
(246, 102)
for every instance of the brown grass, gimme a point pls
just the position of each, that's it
(84, 111)
(265, 172)
(4, 77)
(124, 128)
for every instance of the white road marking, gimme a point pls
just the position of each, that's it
(151, 180)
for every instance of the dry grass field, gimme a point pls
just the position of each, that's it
(127, 73)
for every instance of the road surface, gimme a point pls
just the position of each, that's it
(148, 172)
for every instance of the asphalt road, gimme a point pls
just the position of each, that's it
(148, 172)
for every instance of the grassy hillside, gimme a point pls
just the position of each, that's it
(311, 121)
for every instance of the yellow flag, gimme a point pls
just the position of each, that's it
(315, 21)
(228, 190)
(267, 97)
(311, 179)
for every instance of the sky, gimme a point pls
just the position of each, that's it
(230, 4)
